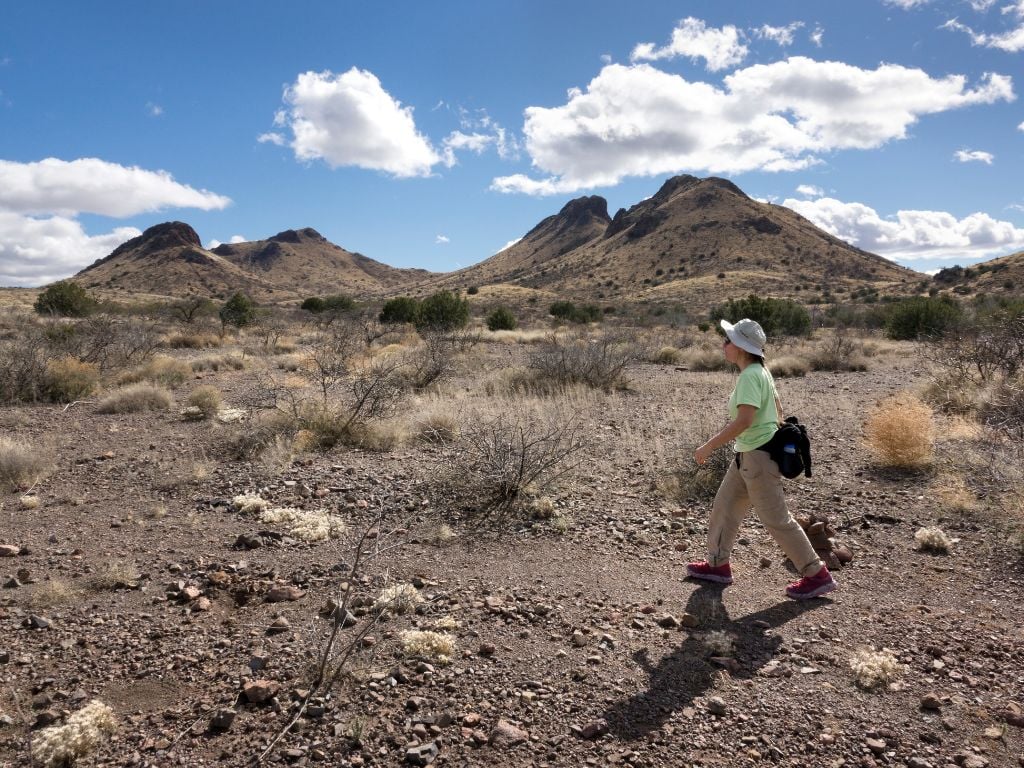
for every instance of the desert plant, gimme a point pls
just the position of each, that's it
(922, 316)
(207, 399)
(569, 312)
(498, 458)
(23, 362)
(875, 669)
(442, 311)
(135, 398)
(838, 351)
(789, 366)
(192, 308)
(933, 539)
(69, 379)
(429, 363)
(777, 316)
(426, 644)
(65, 299)
(217, 362)
(402, 309)
(398, 599)
(313, 526)
(705, 358)
(238, 311)
(21, 464)
(900, 432)
(501, 319)
(667, 356)
(63, 745)
(596, 362)
(160, 370)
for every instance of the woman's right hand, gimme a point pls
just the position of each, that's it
(703, 453)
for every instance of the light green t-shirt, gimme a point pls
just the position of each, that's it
(755, 387)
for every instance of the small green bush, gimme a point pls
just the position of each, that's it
(778, 317)
(333, 304)
(442, 311)
(501, 319)
(238, 311)
(65, 299)
(921, 316)
(569, 312)
(400, 310)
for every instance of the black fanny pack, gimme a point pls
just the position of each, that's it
(790, 449)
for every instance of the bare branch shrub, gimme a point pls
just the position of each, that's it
(838, 351)
(431, 362)
(23, 360)
(577, 359)
(69, 379)
(499, 458)
(687, 480)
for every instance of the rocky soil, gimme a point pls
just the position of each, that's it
(135, 581)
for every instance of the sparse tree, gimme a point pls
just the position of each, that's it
(65, 299)
(238, 311)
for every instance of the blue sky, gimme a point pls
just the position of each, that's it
(433, 134)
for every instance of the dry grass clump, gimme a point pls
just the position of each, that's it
(705, 359)
(316, 525)
(114, 575)
(248, 503)
(69, 379)
(21, 465)
(789, 366)
(425, 644)
(52, 592)
(542, 508)
(29, 501)
(838, 351)
(718, 643)
(200, 340)
(217, 362)
(136, 398)
(953, 494)
(160, 370)
(875, 669)
(436, 427)
(207, 399)
(398, 599)
(933, 539)
(63, 745)
(900, 432)
(667, 356)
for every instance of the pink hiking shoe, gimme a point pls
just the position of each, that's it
(721, 574)
(812, 586)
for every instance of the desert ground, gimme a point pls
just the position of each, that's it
(239, 581)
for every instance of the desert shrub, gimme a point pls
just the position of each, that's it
(499, 457)
(65, 299)
(429, 645)
(501, 319)
(23, 362)
(429, 363)
(136, 398)
(778, 317)
(900, 432)
(571, 313)
(689, 481)
(63, 745)
(442, 311)
(334, 305)
(922, 316)
(160, 370)
(983, 348)
(313, 526)
(104, 339)
(198, 340)
(191, 308)
(69, 379)
(248, 503)
(436, 427)
(838, 351)
(207, 399)
(667, 356)
(789, 366)
(22, 465)
(875, 669)
(398, 599)
(705, 359)
(1002, 407)
(402, 309)
(933, 539)
(238, 311)
(217, 362)
(598, 362)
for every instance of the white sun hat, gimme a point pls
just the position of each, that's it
(747, 334)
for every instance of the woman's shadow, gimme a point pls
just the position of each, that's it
(741, 646)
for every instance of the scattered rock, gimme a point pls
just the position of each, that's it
(689, 621)
(280, 624)
(505, 734)
(9, 550)
(594, 729)
(931, 701)
(284, 593)
(421, 754)
(222, 719)
(716, 706)
(260, 691)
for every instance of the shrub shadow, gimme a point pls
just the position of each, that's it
(686, 673)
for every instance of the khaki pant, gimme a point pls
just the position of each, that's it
(757, 482)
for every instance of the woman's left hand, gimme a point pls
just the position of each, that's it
(703, 453)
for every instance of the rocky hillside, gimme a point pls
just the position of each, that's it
(1001, 277)
(695, 238)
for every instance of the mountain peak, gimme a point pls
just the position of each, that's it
(296, 235)
(583, 209)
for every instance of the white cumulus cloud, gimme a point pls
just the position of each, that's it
(781, 35)
(640, 121)
(234, 239)
(35, 251)
(816, 35)
(907, 4)
(89, 185)
(272, 137)
(974, 156)
(442, 240)
(473, 142)
(809, 190)
(1011, 40)
(720, 48)
(912, 235)
(348, 119)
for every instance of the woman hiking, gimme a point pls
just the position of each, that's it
(753, 477)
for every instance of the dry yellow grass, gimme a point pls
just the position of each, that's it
(160, 370)
(207, 399)
(136, 398)
(21, 464)
(900, 432)
(68, 379)
(953, 495)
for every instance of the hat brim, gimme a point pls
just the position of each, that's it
(743, 343)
